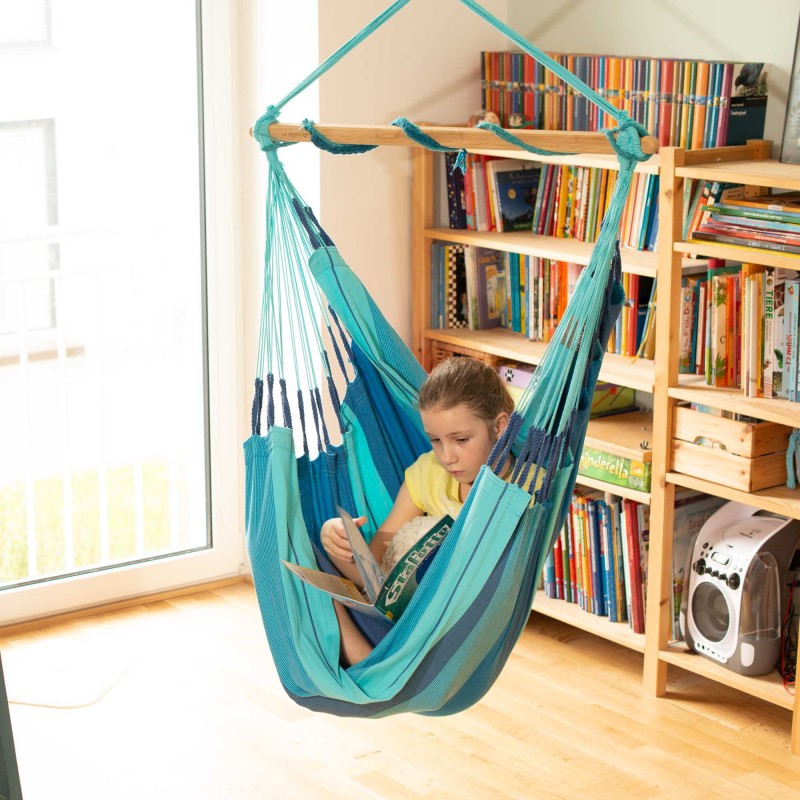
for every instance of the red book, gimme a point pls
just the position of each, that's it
(665, 104)
(635, 565)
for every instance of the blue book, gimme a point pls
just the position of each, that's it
(608, 559)
(598, 605)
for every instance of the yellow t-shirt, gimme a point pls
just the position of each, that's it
(432, 488)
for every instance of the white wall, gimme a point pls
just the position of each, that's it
(736, 30)
(423, 64)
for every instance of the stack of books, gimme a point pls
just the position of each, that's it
(764, 222)
(685, 103)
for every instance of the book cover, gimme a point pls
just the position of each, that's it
(745, 111)
(456, 301)
(384, 596)
(740, 241)
(790, 338)
(780, 276)
(490, 287)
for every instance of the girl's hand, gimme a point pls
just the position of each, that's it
(334, 539)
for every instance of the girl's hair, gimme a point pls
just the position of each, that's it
(463, 379)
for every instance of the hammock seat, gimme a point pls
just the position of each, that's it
(338, 388)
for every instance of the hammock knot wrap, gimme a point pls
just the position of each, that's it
(428, 142)
(261, 131)
(626, 138)
(329, 146)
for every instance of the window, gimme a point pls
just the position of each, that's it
(105, 371)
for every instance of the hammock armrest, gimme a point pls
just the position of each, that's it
(455, 137)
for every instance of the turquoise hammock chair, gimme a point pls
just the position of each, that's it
(335, 381)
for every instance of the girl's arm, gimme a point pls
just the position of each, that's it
(334, 538)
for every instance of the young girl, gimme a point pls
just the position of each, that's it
(464, 408)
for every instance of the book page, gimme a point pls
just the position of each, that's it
(341, 589)
(368, 567)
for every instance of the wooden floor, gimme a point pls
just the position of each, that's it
(179, 699)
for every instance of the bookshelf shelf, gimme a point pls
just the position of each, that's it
(753, 172)
(622, 370)
(619, 491)
(765, 687)
(777, 499)
(640, 262)
(772, 409)
(572, 614)
(769, 258)
(598, 161)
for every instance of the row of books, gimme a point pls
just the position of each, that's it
(479, 288)
(573, 201)
(685, 103)
(599, 559)
(739, 328)
(565, 201)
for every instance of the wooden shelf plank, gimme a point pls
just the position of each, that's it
(596, 160)
(766, 687)
(757, 172)
(777, 499)
(771, 409)
(619, 491)
(769, 258)
(622, 370)
(639, 262)
(572, 614)
(635, 262)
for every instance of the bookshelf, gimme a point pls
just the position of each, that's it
(501, 343)
(748, 164)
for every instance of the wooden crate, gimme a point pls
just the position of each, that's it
(442, 350)
(743, 455)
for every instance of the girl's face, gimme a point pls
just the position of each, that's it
(461, 440)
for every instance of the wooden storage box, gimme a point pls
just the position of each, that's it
(743, 455)
(442, 350)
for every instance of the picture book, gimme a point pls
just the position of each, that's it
(781, 276)
(514, 184)
(490, 287)
(383, 596)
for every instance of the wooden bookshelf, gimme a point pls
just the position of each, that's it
(748, 164)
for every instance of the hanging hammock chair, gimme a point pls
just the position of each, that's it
(336, 382)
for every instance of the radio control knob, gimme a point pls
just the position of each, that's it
(723, 577)
(700, 566)
(733, 581)
(715, 573)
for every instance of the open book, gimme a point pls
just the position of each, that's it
(384, 596)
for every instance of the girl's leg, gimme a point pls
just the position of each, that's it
(354, 647)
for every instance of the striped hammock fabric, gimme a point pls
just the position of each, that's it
(335, 394)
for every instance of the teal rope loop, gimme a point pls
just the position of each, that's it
(428, 142)
(626, 138)
(261, 131)
(502, 133)
(324, 143)
(793, 459)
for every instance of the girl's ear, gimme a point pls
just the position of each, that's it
(500, 422)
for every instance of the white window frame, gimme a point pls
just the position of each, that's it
(225, 348)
